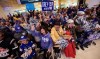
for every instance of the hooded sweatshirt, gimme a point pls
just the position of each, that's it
(45, 40)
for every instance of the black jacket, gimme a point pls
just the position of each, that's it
(9, 46)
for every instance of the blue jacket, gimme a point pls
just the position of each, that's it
(25, 47)
(46, 40)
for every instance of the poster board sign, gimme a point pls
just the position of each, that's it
(47, 5)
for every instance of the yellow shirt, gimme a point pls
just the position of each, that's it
(16, 18)
(54, 34)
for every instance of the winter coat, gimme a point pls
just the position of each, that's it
(7, 48)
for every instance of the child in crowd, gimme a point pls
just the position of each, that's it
(27, 48)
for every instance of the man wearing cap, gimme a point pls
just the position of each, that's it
(19, 31)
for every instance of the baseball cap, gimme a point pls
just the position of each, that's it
(23, 37)
(18, 28)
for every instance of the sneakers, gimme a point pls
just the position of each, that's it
(77, 47)
(82, 47)
(94, 43)
(58, 55)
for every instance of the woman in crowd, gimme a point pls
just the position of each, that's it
(45, 40)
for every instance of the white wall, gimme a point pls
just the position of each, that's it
(91, 3)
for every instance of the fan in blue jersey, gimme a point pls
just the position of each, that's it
(27, 48)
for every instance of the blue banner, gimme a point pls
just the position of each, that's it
(47, 5)
(30, 6)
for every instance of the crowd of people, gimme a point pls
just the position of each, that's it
(49, 33)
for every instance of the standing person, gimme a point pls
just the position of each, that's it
(56, 32)
(7, 46)
(8, 32)
(27, 48)
(19, 30)
(46, 23)
(52, 20)
(70, 51)
(80, 22)
(46, 41)
(64, 19)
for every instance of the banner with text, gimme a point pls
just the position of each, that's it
(47, 5)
